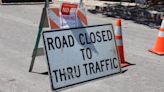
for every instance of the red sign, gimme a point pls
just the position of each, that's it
(66, 8)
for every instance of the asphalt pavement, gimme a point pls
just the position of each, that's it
(18, 31)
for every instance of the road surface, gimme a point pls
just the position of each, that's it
(18, 30)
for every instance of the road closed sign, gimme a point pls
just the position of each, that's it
(80, 55)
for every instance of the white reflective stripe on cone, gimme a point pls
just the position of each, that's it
(118, 31)
(54, 17)
(119, 42)
(161, 34)
(162, 24)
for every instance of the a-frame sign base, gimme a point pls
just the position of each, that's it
(47, 17)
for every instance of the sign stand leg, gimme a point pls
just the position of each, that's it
(35, 49)
(32, 63)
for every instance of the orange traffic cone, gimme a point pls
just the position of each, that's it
(119, 43)
(159, 46)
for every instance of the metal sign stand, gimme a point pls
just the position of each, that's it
(43, 23)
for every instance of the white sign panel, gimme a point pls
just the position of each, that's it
(80, 55)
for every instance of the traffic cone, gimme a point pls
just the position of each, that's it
(119, 43)
(159, 46)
